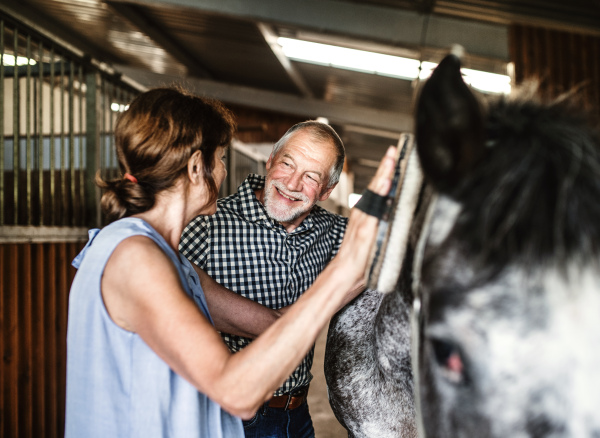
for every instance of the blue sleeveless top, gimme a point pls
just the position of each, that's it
(116, 385)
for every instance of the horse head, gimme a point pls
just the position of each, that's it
(493, 269)
(508, 278)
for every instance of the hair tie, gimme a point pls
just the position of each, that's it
(130, 177)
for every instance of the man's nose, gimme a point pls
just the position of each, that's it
(294, 182)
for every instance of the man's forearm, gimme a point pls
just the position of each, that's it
(233, 313)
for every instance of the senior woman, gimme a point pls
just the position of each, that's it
(144, 358)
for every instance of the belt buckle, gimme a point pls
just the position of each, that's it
(298, 393)
(287, 403)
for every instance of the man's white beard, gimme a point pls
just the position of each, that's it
(283, 213)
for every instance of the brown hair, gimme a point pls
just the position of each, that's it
(155, 137)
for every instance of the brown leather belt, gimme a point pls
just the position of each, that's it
(289, 401)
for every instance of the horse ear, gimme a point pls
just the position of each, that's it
(449, 126)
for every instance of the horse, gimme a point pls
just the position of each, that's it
(492, 321)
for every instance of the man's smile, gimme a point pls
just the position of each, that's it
(287, 196)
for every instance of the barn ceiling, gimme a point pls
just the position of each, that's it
(228, 49)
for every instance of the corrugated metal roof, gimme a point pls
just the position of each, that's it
(220, 41)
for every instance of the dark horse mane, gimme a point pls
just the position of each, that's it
(537, 186)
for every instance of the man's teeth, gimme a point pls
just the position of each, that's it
(286, 196)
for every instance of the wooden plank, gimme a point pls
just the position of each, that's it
(3, 332)
(12, 352)
(516, 52)
(25, 361)
(34, 286)
(63, 285)
(40, 337)
(528, 71)
(50, 369)
(551, 60)
(596, 73)
(574, 53)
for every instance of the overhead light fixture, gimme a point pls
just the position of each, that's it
(381, 64)
(351, 59)
(21, 60)
(118, 107)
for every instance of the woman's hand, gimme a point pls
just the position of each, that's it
(356, 247)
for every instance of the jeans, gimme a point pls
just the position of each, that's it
(279, 423)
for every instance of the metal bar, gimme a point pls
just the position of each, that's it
(72, 138)
(16, 132)
(117, 97)
(40, 128)
(92, 150)
(28, 130)
(275, 101)
(103, 162)
(110, 91)
(52, 149)
(25, 234)
(63, 159)
(81, 162)
(3, 151)
(295, 76)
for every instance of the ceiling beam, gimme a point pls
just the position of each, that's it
(57, 32)
(293, 73)
(567, 16)
(383, 24)
(274, 101)
(156, 33)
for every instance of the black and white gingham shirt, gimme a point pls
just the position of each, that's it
(249, 253)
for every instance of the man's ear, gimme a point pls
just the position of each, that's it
(269, 162)
(195, 166)
(327, 193)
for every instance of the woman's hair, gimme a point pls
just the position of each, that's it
(155, 137)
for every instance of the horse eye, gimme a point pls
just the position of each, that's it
(449, 359)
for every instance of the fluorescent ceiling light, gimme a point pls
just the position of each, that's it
(485, 81)
(385, 65)
(21, 60)
(351, 59)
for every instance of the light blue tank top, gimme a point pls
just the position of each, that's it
(116, 385)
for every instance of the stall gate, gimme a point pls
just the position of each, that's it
(57, 111)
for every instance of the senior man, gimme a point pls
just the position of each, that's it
(269, 242)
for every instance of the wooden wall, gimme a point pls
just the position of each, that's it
(559, 60)
(261, 126)
(34, 284)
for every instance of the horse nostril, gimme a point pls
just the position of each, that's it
(449, 359)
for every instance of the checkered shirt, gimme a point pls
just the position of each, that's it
(249, 253)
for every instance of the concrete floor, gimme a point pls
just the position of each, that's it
(325, 423)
